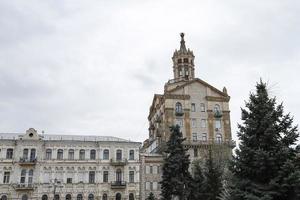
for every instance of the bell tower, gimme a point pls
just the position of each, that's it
(183, 62)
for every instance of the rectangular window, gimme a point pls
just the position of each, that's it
(131, 155)
(69, 180)
(131, 176)
(23, 176)
(147, 169)
(194, 136)
(48, 154)
(25, 154)
(9, 153)
(195, 152)
(105, 176)
(155, 169)
(154, 185)
(204, 137)
(193, 107)
(92, 177)
(71, 154)
(202, 107)
(203, 123)
(194, 122)
(147, 185)
(6, 177)
(218, 123)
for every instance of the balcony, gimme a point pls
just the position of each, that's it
(179, 113)
(218, 114)
(118, 185)
(118, 162)
(24, 187)
(27, 161)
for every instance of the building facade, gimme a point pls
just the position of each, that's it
(35, 166)
(201, 111)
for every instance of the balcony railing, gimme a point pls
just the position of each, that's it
(28, 161)
(24, 186)
(179, 112)
(118, 184)
(118, 162)
(218, 114)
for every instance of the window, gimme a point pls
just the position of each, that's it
(56, 197)
(193, 123)
(203, 123)
(179, 122)
(119, 154)
(24, 197)
(23, 176)
(147, 169)
(131, 155)
(218, 123)
(81, 154)
(68, 197)
(9, 153)
(93, 154)
(105, 176)
(204, 137)
(118, 196)
(202, 107)
(92, 177)
(106, 154)
(48, 154)
(71, 154)
(185, 60)
(154, 185)
(147, 185)
(79, 197)
(131, 196)
(6, 177)
(217, 108)
(154, 170)
(178, 107)
(118, 175)
(219, 138)
(193, 107)
(60, 154)
(32, 154)
(25, 154)
(69, 180)
(131, 176)
(195, 152)
(194, 137)
(30, 176)
(91, 197)
(104, 197)
(4, 197)
(179, 60)
(44, 197)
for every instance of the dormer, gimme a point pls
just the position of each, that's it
(31, 134)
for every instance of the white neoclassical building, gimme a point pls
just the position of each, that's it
(65, 167)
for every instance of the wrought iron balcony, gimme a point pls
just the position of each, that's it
(179, 113)
(218, 114)
(118, 184)
(27, 161)
(118, 162)
(24, 186)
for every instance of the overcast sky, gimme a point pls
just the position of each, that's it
(92, 67)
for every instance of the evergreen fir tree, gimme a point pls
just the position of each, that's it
(197, 182)
(151, 196)
(176, 179)
(213, 178)
(264, 167)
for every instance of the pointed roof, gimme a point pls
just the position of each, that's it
(182, 44)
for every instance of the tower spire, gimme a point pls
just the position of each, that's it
(182, 44)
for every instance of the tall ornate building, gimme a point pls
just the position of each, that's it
(201, 111)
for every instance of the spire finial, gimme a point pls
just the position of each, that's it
(182, 43)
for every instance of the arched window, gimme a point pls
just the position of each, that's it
(131, 155)
(119, 154)
(68, 197)
(56, 197)
(217, 108)
(4, 197)
(91, 197)
(60, 154)
(131, 196)
(81, 154)
(44, 197)
(48, 154)
(9, 153)
(104, 197)
(178, 107)
(105, 154)
(219, 138)
(71, 154)
(79, 197)
(30, 176)
(118, 196)
(93, 154)
(24, 197)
